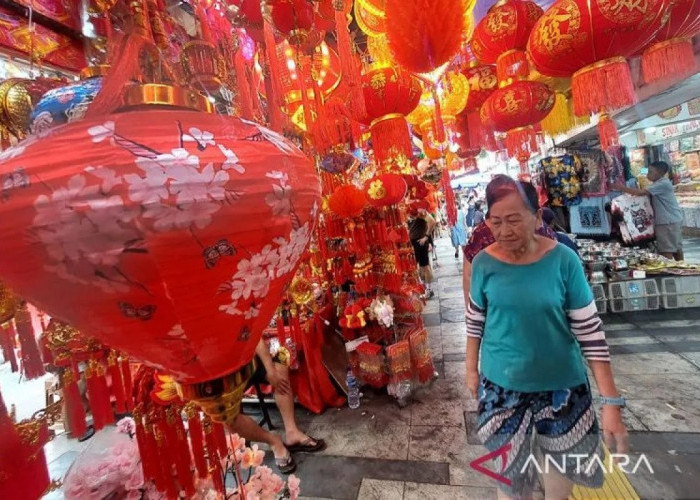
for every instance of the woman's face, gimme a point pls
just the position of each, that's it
(512, 223)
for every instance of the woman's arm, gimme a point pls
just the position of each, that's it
(466, 281)
(476, 319)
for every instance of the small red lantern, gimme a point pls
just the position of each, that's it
(293, 18)
(347, 202)
(503, 33)
(671, 53)
(132, 237)
(385, 190)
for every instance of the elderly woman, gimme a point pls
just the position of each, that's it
(531, 320)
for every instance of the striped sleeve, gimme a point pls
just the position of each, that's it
(588, 330)
(476, 318)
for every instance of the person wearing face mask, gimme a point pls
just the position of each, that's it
(531, 321)
(668, 217)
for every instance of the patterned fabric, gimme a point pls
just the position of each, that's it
(562, 179)
(482, 237)
(593, 174)
(615, 170)
(588, 329)
(637, 218)
(565, 425)
(589, 217)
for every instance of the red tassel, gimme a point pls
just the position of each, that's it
(142, 443)
(349, 64)
(672, 58)
(221, 440)
(607, 131)
(117, 383)
(203, 23)
(450, 203)
(179, 449)
(73, 404)
(7, 341)
(164, 461)
(213, 454)
(439, 125)
(274, 100)
(32, 364)
(245, 101)
(197, 439)
(98, 395)
(606, 85)
(390, 137)
(125, 369)
(519, 141)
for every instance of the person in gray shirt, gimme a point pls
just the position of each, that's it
(668, 217)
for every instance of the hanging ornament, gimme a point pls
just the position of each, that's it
(294, 19)
(347, 202)
(670, 54)
(424, 34)
(370, 16)
(385, 190)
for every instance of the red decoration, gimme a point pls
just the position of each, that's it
(32, 364)
(386, 189)
(118, 249)
(482, 82)
(424, 34)
(506, 27)
(450, 202)
(347, 202)
(589, 39)
(519, 104)
(293, 18)
(671, 53)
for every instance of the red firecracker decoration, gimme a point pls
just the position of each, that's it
(670, 54)
(135, 209)
(32, 364)
(386, 189)
(347, 202)
(590, 40)
(424, 34)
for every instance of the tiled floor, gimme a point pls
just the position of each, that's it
(381, 451)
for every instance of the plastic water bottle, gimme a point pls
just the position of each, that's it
(353, 390)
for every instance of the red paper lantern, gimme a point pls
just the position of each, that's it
(424, 34)
(505, 29)
(516, 105)
(347, 202)
(143, 228)
(463, 140)
(671, 52)
(385, 190)
(293, 18)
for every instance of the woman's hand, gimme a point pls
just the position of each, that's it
(423, 240)
(614, 430)
(473, 383)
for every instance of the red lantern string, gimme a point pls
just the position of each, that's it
(274, 98)
(390, 137)
(194, 423)
(7, 340)
(450, 202)
(348, 62)
(245, 101)
(607, 131)
(32, 364)
(73, 404)
(117, 382)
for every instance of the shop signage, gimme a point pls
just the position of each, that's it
(678, 129)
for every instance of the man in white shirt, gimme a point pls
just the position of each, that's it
(668, 217)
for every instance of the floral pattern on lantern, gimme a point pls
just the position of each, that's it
(517, 105)
(132, 240)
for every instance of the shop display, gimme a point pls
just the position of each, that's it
(590, 217)
(562, 180)
(637, 217)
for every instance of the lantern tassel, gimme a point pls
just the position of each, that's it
(73, 404)
(117, 383)
(126, 380)
(245, 100)
(348, 62)
(669, 59)
(32, 364)
(519, 140)
(98, 395)
(390, 137)
(214, 462)
(274, 101)
(7, 339)
(196, 439)
(607, 131)
(450, 203)
(604, 85)
(220, 437)
(560, 119)
(439, 125)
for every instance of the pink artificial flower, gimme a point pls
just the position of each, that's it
(127, 426)
(133, 495)
(135, 480)
(293, 483)
(252, 457)
(237, 442)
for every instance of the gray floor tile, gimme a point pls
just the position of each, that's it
(376, 489)
(415, 491)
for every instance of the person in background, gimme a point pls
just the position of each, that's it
(471, 207)
(275, 373)
(458, 232)
(668, 217)
(420, 239)
(478, 213)
(531, 321)
(549, 218)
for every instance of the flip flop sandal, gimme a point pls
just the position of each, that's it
(310, 445)
(286, 465)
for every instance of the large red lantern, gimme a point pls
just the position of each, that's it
(143, 228)
(503, 33)
(385, 190)
(590, 40)
(390, 94)
(347, 201)
(293, 18)
(671, 52)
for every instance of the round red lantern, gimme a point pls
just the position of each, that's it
(671, 52)
(347, 202)
(385, 190)
(123, 228)
(503, 33)
(293, 18)
(390, 94)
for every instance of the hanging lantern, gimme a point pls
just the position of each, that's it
(671, 54)
(133, 241)
(501, 36)
(590, 40)
(463, 141)
(370, 16)
(385, 190)
(424, 34)
(390, 94)
(347, 202)
(482, 82)
(514, 109)
(294, 19)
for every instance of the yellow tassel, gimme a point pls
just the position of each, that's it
(560, 119)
